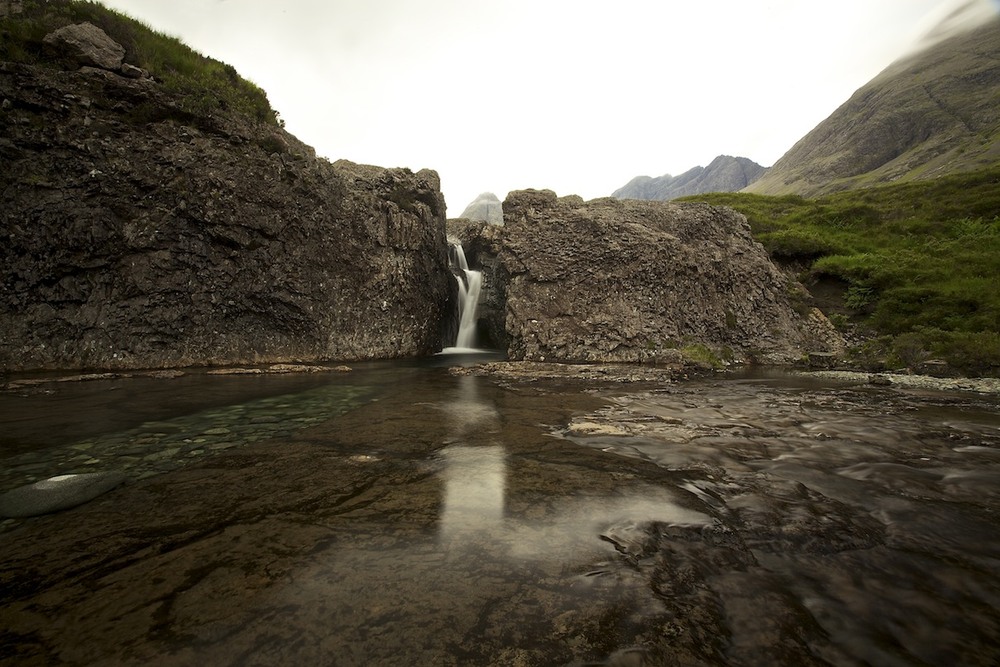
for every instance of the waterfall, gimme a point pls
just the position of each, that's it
(469, 285)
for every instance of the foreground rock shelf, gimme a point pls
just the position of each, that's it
(982, 385)
(449, 520)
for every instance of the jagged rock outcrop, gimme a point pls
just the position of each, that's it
(627, 281)
(930, 114)
(136, 234)
(723, 174)
(484, 208)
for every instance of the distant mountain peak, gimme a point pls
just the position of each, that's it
(485, 208)
(723, 174)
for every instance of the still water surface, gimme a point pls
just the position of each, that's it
(404, 515)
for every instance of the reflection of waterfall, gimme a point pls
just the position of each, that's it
(475, 475)
(468, 414)
(469, 285)
(475, 486)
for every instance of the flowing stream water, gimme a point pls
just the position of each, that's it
(470, 285)
(403, 514)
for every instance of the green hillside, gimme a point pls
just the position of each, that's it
(204, 85)
(928, 115)
(913, 266)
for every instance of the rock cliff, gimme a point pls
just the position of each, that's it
(723, 174)
(627, 281)
(135, 233)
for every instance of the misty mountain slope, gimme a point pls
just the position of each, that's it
(934, 113)
(723, 174)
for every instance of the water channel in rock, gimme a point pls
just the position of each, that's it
(403, 514)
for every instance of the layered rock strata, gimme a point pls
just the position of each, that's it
(135, 234)
(632, 281)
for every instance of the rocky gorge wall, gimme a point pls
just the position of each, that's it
(135, 234)
(633, 281)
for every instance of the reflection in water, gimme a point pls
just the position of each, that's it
(475, 476)
(475, 483)
(468, 414)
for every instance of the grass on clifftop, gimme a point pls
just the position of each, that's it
(916, 264)
(203, 84)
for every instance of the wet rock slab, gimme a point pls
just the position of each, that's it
(913, 381)
(282, 554)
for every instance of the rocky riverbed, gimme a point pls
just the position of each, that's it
(451, 519)
(914, 381)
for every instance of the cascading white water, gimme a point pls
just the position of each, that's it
(470, 284)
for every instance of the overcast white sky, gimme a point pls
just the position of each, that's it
(578, 96)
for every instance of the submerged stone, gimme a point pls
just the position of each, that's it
(57, 493)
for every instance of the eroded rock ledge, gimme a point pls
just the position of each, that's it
(532, 371)
(633, 281)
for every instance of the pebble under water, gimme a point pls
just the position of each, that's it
(402, 515)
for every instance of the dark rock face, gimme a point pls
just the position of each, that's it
(724, 174)
(11, 7)
(133, 234)
(626, 281)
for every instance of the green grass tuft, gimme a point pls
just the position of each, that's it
(701, 354)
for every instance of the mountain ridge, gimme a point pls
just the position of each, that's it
(723, 174)
(932, 113)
